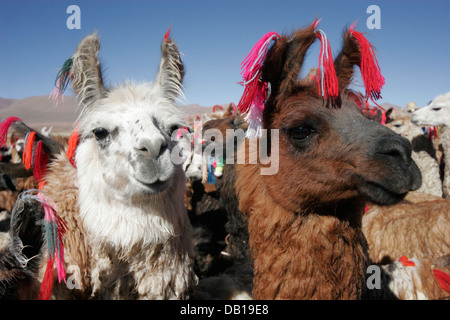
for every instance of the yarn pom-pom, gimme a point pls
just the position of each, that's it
(370, 70)
(327, 78)
(4, 127)
(255, 90)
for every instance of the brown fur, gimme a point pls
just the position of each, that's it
(331, 251)
(61, 189)
(409, 229)
(305, 221)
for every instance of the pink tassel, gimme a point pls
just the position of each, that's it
(55, 229)
(370, 70)
(327, 78)
(181, 132)
(255, 91)
(4, 127)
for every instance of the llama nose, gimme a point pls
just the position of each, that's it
(151, 148)
(395, 146)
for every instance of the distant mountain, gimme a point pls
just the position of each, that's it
(40, 111)
(5, 102)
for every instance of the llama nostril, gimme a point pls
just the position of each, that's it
(397, 147)
(151, 148)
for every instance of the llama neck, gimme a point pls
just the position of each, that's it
(304, 255)
(127, 223)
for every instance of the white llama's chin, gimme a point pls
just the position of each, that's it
(155, 187)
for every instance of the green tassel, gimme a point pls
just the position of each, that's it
(63, 76)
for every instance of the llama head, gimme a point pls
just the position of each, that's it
(401, 123)
(328, 151)
(436, 113)
(125, 132)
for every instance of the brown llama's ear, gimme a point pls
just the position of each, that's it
(357, 50)
(87, 81)
(171, 70)
(285, 59)
(346, 60)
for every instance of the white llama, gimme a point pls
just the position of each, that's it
(423, 151)
(128, 232)
(437, 113)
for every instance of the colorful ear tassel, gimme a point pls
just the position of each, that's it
(72, 146)
(370, 70)
(327, 78)
(62, 80)
(255, 90)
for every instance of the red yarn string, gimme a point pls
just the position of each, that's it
(4, 127)
(40, 162)
(327, 78)
(443, 279)
(370, 70)
(47, 283)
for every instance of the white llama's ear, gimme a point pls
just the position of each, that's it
(87, 79)
(171, 70)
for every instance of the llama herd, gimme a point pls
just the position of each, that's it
(132, 207)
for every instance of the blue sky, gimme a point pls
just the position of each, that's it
(214, 36)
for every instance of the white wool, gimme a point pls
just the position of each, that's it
(109, 209)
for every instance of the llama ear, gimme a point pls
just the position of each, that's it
(285, 59)
(346, 60)
(171, 69)
(86, 74)
(357, 50)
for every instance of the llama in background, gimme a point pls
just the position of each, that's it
(437, 113)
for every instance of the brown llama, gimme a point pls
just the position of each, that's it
(305, 221)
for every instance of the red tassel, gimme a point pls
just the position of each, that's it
(72, 146)
(255, 91)
(327, 78)
(47, 283)
(27, 155)
(167, 35)
(40, 162)
(370, 70)
(217, 107)
(443, 279)
(4, 127)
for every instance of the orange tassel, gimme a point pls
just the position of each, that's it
(72, 146)
(406, 262)
(27, 156)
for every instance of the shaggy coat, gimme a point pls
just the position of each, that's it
(437, 113)
(305, 221)
(409, 229)
(128, 233)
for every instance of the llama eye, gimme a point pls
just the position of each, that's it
(300, 133)
(173, 129)
(100, 133)
(436, 108)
